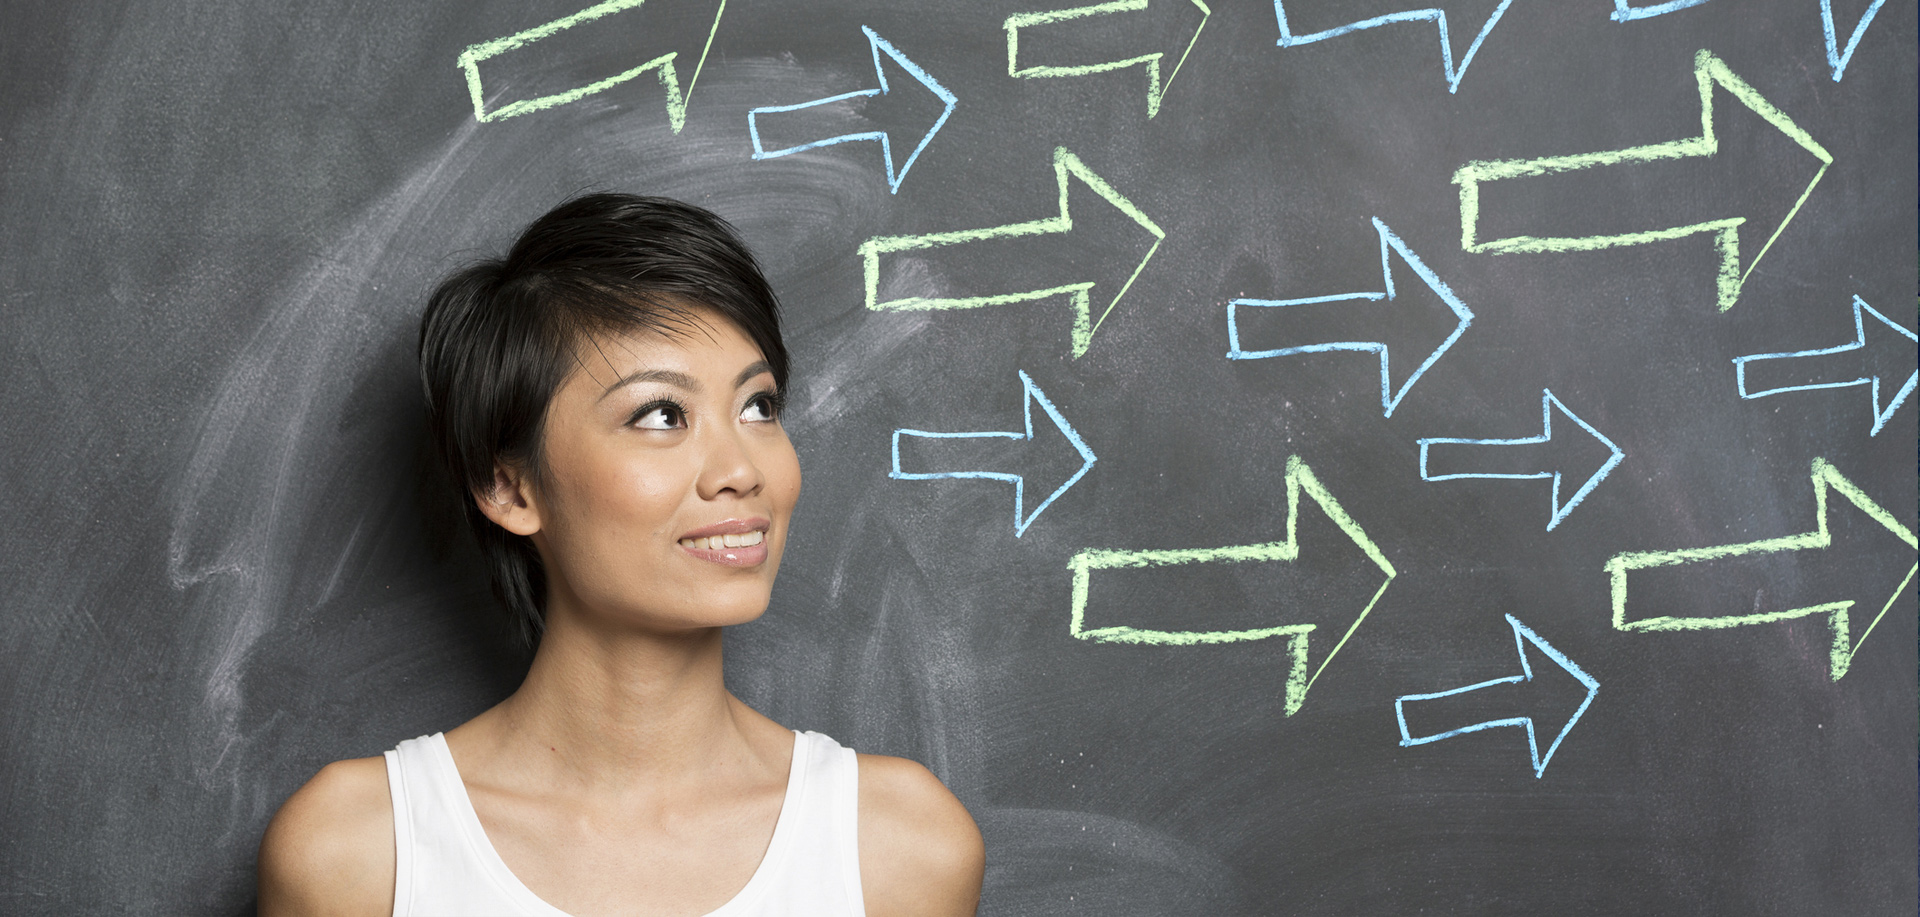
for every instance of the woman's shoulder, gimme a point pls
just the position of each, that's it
(329, 850)
(920, 852)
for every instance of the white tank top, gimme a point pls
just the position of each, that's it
(445, 865)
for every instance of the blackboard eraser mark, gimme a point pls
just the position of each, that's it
(1016, 283)
(896, 172)
(1647, 608)
(1436, 706)
(1448, 69)
(1353, 327)
(1299, 479)
(1530, 458)
(1731, 274)
(1031, 395)
(1154, 24)
(665, 62)
(1883, 363)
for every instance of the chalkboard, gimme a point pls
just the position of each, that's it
(1423, 460)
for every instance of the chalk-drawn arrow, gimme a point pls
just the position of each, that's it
(1522, 635)
(1153, 22)
(1438, 17)
(1359, 321)
(1625, 11)
(1299, 479)
(1527, 458)
(1021, 518)
(895, 173)
(993, 288)
(1837, 56)
(1709, 72)
(663, 64)
(1665, 609)
(1806, 370)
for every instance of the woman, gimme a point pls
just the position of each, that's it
(609, 397)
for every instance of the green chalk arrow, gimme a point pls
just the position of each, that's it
(1299, 479)
(1066, 168)
(1708, 72)
(1825, 480)
(1152, 25)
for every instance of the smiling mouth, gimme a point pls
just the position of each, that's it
(722, 542)
(744, 547)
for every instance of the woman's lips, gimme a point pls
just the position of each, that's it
(729, 549)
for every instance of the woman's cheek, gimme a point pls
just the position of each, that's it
(649, 491)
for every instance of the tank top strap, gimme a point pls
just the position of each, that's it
(813, 864)
(403, 830)
(443, 862)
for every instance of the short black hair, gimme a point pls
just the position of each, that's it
(500, 335)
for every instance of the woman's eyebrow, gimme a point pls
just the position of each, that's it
(750, 372)
(670, 377)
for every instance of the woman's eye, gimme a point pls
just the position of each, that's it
(760, 409)
(660, 417)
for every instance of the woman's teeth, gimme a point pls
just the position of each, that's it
(715, 542)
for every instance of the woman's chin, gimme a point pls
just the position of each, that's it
(704, 617)
(672, 607)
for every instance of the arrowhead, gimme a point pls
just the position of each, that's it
(1759, 215)
(908, 96)
(1575, 446)
(1459, 30)
(1890, 355)
(1077, 458)
(1855, 559)
(1424, 312)
(1112, 241)
(1174, 28)
(1541, 727)
(1839, 54)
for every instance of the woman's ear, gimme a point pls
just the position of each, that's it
(510, 502)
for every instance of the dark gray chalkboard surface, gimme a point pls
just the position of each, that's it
(1504, 345)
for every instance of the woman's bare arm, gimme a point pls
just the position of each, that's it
(329, 852)
(920, 853)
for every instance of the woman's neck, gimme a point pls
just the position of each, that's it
(601, 707)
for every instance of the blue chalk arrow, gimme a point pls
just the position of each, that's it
(1624, 11)
(1453, 73)
(1021, 518)
(1482, 458)
(1522, 635)
(895, 175)
(1805, 364)
(1837, 55)
(1389, 243)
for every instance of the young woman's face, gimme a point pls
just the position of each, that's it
(669, 480)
